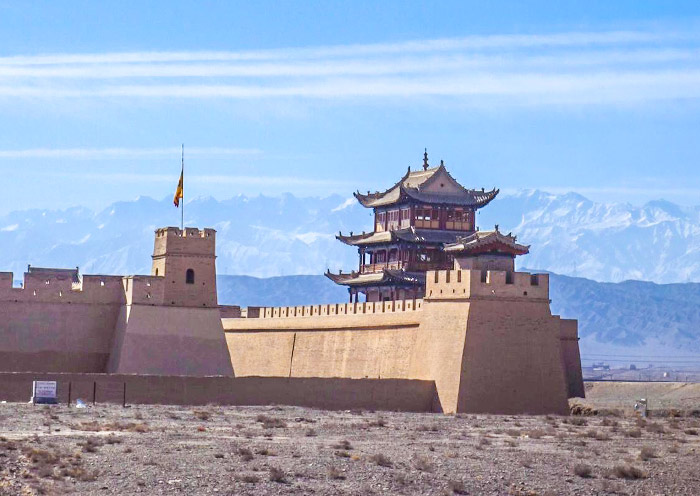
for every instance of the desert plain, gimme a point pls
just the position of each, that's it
(606, 448)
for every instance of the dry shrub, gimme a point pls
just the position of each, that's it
(245, 454)
(513, 432)
(401, 479)
(511, 442)
(647, 453)
(527, 461)
(112, 439)
(310, 433)
(484, 441)
(334, 473)
(91, 444)
(673, 448)
(535, 433)
(627, 471)
(202, 414)
(277, 475)
(423, 464)
(428, 428)
(655, 427)
(378, 422)
(577, 421)
(79, 473)
(691, 432)
(634, 433)
(270, 422)
(266, 452)
(602, 436)
(578, 409)
(342, 454)
(343, 445)
(457, 487)
(381, 460)
(583, 470)
(608, 422)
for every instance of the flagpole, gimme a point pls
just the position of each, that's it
(182, 212)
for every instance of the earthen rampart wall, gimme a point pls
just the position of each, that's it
(332, 394)
(457, 336)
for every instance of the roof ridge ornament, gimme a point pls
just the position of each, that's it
(425, 160)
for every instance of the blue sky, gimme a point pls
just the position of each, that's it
(313, 98)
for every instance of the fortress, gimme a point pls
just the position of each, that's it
(480, 333)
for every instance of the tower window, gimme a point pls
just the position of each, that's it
(189, 276)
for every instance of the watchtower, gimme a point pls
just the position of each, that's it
(186, 259)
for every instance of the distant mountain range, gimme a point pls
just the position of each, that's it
(272, 236)
(283, 236)
(619, 323)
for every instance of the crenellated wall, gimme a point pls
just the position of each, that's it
(445, 284)
(61, 321)
(55, 324)
(487, 339)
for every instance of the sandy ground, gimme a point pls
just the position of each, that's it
(279, 450)
(681, 396)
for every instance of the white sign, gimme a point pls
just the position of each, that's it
(44, 392)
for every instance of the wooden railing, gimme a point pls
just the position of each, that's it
(378, 267)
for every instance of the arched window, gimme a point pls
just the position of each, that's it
(156, 271)
(189, 276)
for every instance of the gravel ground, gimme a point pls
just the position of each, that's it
(278, 450)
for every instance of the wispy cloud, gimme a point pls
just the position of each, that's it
(268, 181)
(562, 68)
(117, 153)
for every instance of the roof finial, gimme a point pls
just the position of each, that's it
(425, 160)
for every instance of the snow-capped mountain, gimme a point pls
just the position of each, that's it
(271, 236)
(571, 235)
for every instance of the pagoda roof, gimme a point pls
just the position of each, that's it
(383, 278)
(410, 234)
(431, 185)
(482, 242)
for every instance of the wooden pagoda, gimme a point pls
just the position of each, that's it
(414, 220)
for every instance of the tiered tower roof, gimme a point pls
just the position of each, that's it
(425, 186)
(482, 242)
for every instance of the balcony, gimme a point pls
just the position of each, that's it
(378, 267)
(409, 266)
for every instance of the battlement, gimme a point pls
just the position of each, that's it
(462, 284)
(144, 290)
(62, 286)
(189, 241)
(332, 309)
